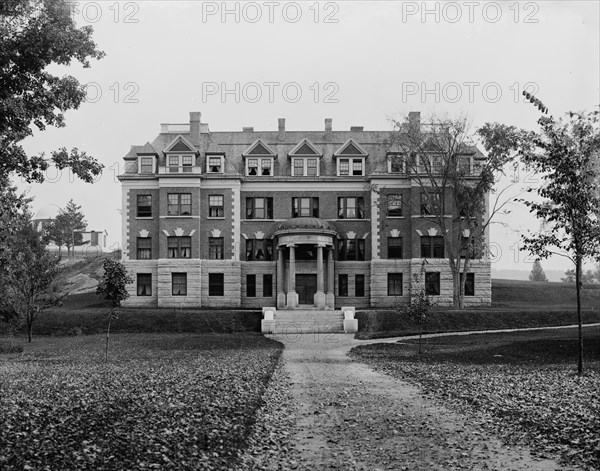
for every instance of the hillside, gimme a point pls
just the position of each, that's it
(538, 294)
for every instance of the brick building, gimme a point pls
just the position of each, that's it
(279, 218)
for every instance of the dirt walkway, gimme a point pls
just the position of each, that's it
(350, 417)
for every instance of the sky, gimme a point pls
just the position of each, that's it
(361, 63)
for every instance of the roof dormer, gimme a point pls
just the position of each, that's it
(305, 159)
(180, 157)
(350, 159)
(259, 159)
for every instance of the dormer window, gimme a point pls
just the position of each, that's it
(262, 166)
(464, 164)
(214, 163)
(180, 163)
(351, 167)
(259, 159)
(305, 160)
(396, 163)
(350, 160)
(146, 164)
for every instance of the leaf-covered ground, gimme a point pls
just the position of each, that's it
(523, 386)
(162, 402)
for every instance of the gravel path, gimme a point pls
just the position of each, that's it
(346, 416)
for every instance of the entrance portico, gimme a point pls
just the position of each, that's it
(301, 243)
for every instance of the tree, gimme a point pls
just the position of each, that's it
(113, 287)
(587, 278)
(28, 276)
(566, 152)
(64, 230)
(438, 159)
(537, 272)
(35, 34)
(419, 308)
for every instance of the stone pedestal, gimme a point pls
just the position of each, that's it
(330, 300)
(292, 300)
(280, 300)
(320, 300)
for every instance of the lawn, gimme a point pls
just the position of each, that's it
(521, 386)
(178, 401)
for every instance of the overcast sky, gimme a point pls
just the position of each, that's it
(357, 62)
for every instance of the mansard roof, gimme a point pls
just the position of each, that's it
(259, 148)
(305, 148)
(350, 148)
(180, 144)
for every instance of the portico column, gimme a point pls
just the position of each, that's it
(320, 294)
(330, 297)
(280, 278)
(292, 296)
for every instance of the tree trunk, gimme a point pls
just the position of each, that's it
(29, 328)
(579, 320)
(420, 341)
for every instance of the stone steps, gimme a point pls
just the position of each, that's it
(308, 320)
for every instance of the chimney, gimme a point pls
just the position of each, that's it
(414, 121)
(195, 127)
(248, 129)
(328, 129)
(281, 135)
(357, 128)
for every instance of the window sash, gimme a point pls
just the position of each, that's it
(267, 286)
(304, 206)
(253, 167)
(215, 164)
(144, 248)
(146, 164)
(351, 249)
(215, 248)
(359, 286)
(394, 205)
(216, 284)
(144, 284)
(179, 247)
(350, 208)
(179, 284)
(394, 284)
(259, 250)
(179, 204)
(396, 163)
(215, 206)
(298, 167)
(144, 206)
(259, 208)
(250, 286)
(394, 247)
(344, 167)
(266, 165)
(357, 167)
(430, 202)
(469, 284)
(432, 247)
(343, 285)
(432, 283)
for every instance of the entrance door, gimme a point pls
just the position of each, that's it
(306, 287)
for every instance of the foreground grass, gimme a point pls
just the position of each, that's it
(162, 401)
(522, 386)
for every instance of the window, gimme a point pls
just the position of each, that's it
(179, 204)
(464, 164)
(267, 286)
(259, 250)
(432, 247)
(394, 205)
(343, 285)
(305, 167)
(432, 283)
(394, 247)
(215, 163)
(305, 207)
(354, 167)
(359, 285)
(259, 208)
(216, 284)
(179, 247)
(179, 284)
(431, 164)
(215, 248)
(215, 206)
(180, 163)
(146, 164)
(430, 203)
(144, 206)
(396, 163)
(251, 286)
(350, 208)
(469, 284)
(144, 248)
(394, 284)
(351, 249)
(261, 167)
(144, 284)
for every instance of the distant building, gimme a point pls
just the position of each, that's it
(280, 218)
